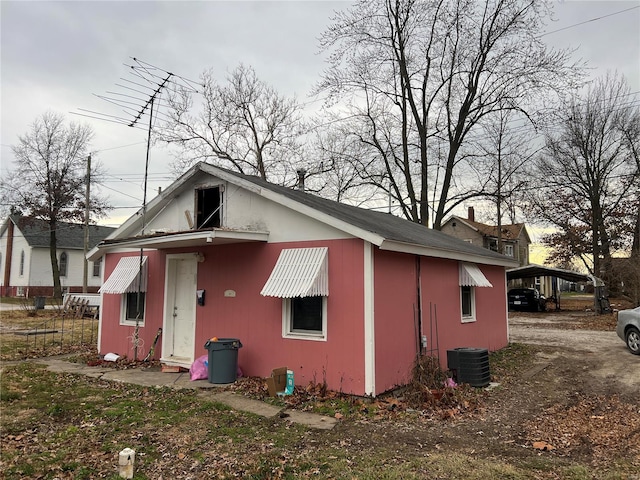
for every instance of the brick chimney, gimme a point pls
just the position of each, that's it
(301, 174)
(471, 215)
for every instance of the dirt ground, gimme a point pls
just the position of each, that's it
(568, 406)
(577, 401)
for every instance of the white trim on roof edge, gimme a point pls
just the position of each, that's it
(442, 253)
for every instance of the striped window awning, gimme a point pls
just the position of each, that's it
(299, 272)
(472, 276)
(126, 276)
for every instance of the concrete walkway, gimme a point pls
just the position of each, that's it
(154, 377)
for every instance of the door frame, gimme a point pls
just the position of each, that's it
(169, 283)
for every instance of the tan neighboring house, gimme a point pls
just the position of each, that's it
(515, 238)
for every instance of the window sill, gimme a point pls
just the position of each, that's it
(468, 319)
(131, 323)
(316, 337)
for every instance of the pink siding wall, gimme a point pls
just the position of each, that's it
(441, 291)
(395, 326)
(116, 338)
(396, 299)
(257, 320)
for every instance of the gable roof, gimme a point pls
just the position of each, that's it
(68, 235)
(385, 230)
(509, 232)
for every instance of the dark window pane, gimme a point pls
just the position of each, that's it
(466, 301)
(132, 305)
(96, 267)
(306, 313)
(63, 264)
(208, 207)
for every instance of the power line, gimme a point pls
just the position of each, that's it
(589, 21)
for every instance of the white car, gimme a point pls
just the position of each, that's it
(628, 328)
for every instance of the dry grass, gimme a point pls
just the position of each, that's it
(27, 333)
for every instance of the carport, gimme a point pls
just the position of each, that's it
(531, 271)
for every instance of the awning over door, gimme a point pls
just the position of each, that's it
(299, 272)
(125, 277)
(472, 276)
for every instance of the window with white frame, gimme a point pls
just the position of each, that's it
(304, 317)
(301, 278)
(468, 304)
(96, 267)
(22, 263)
(471, 277)
(132, 302)
(508, 250)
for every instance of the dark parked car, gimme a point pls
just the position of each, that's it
(628, 328)
(527, 299)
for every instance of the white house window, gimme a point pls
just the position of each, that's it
(129, 280)
(133, 304)
(470, 277)
(468, 304)
(301, 278)
(508, 250)
(304, 317)
(96, 267)
(63, 264)
(22, 263)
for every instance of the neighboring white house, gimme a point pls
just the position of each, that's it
(25, 263)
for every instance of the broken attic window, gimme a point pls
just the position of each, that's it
(208, 206)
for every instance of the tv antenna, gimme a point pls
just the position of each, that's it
(140, 97)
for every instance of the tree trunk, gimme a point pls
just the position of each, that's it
(53, 247)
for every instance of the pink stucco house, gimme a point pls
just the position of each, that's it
(336, 293)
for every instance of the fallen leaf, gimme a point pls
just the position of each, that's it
(544, 446)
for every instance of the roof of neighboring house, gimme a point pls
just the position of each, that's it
(509, 232)
(382, 229)
(68, 235)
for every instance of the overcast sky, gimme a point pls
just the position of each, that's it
(58, 55)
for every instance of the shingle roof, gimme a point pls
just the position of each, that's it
(509, 232)
(386, 225)
(68, 235)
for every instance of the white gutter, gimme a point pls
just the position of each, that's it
(425, 251)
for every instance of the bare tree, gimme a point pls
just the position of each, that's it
(244, 125)
(504, 148)
(629, 125)
(421, 75)
(589, 188)
(49, 177)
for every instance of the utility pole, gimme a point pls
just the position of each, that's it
(85, 271)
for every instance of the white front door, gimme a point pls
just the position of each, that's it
(180, 315)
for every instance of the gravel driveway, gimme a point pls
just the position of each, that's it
(604, 354)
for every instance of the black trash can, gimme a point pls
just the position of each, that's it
(38, 303)
(223, 359)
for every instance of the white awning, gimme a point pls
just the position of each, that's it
(472, 276)
(125, 277)
(299, 272)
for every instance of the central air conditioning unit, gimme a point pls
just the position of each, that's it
(470, 365)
